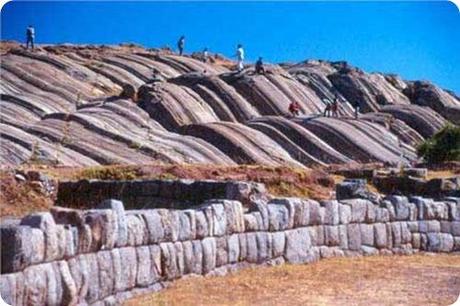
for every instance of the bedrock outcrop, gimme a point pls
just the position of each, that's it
(68, 105)
(105, 255)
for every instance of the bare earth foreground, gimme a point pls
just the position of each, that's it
(395, 280)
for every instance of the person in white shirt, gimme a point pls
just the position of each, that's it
(240, 57)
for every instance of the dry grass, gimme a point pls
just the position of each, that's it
(394, 280)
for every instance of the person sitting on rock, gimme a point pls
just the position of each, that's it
(30, 37)
(181, 44)
(260, 66)
(327, 109)
(294, 109)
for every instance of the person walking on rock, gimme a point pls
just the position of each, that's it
(181, 44)
(30, 37)
(260, 66)
(327, 110)
(240, 57)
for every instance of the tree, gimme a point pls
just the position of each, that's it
(442, 146)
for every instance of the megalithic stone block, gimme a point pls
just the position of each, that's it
(45, 222)
(119, 209)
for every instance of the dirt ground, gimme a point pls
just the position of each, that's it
(380, 280)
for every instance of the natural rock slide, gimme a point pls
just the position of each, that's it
(60, 104)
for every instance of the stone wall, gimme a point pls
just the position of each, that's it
(140, 194)
(103, 256)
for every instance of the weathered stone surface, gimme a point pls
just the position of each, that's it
(243, 246)
(354, 237)
(45, 222)
(278, 216)
(202, 228)
(170, 223)
(369, 251)
(137, 230)
(180, 258)
(119, 211)
(154, 226)
(104, 228)
(209, 254)
(332, 237)
(234, 215)
(331, 214)
(12, 288)
(251, 248)
(301, 212)
(35, 285)
(168, 261)
(316, 213)
(221, 251)
(367, 234)
(429, 226)
(143, 277)
(197, 267)
(298, 245)
(344, 214)
(358, 209)
(264, 247)
(456, 246)
(250, 222)
(278, 244)
(380, 236)
(261, 208)
(401, 206)
(343, 237)
(405, 233)
(416, 241)
(396, 233)
(439, 242)
(233, 246)
(155, 263)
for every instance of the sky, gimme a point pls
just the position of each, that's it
(418, 40)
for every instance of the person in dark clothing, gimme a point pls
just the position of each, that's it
(260, 66)
(294, 108)
(30, 37)
(335, 107)
(327, 109)
(181, 44)
(356, 107)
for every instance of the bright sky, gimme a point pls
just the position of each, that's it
(418, 40)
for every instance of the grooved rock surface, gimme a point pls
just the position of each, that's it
(70, 105)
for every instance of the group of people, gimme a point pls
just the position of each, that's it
(331, 108)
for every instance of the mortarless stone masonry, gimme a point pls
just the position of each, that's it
(103, 256)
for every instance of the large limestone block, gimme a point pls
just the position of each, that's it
(343, 237)
(332, 237)
(94, 286)
(344, 214)
(278, 216)
(12, 288)
(234, 214)
(412, 226)
(106, 273)
(251, 248)
(358, 209)
(187, 247)
(430, 210)
(261, 207)
(197, 267)
(290, 206)
(155, 263)
(219, 220)
(233, 246)
(180, 257)
(154, 226)
(396, 233)
(371, 212)
(429, 226)
(439, 242)
(369, 251)
(264, 246)
(316, 213)
(453, 205)
(79, 271)
(125, 268)
(416, 243)
(119, 212)
(455, 228)
(405, 233)
(171, 223)
(242, 238)
(331, 212)
(202, 228)
(45, 222)
(209, 247)
(190, 213)
(83, 237)
(221, 251)
(401, 206)
(367, 234)
(169, 265)
(250, 221)
(278, 243)
(185, 227)
(21, 246)
(137, 230)
(390, 209)
(380, 236)
(301, 212)
(298, 245)
(354, 237)
(69, 288)
(35, 285)
(144, 264)
(104, 228)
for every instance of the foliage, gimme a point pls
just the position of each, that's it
(110, 173)
(443, 146)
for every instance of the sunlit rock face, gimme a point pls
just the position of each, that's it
(74, 105)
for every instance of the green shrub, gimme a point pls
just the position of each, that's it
(443, 146)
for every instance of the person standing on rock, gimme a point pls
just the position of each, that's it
(205, 55)
(335, 107)
(240, 57)
(294, 109)
(327, 109)
(356, 107)
(260, 66)
(181, 44)
(30, 37)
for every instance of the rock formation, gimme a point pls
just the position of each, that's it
(66, 104)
